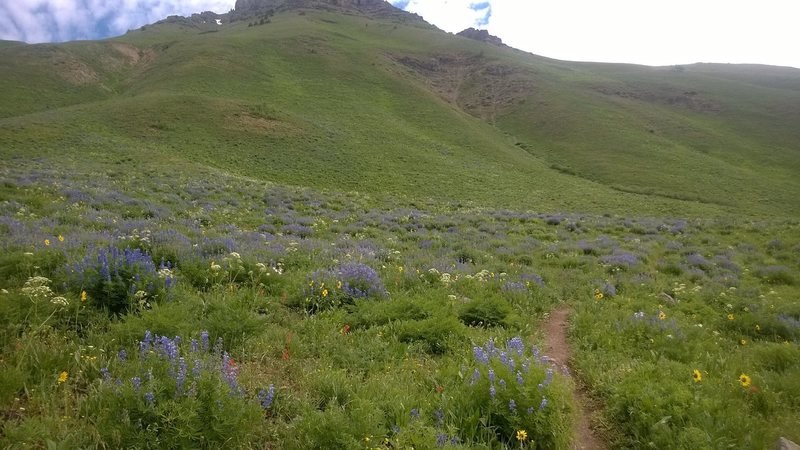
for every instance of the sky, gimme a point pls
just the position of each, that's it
(652, 32)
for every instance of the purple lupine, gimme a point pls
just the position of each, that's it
(492, 391)
(526, 365)
(196, 368)
(490, 375)
(195, 345)
(532, 277)
(490, 348)
(476, 375)
(105, 373)
(180, 378)
(137, 383)
(144, 344)
(267, 397)
(229, 372)
(530, 410)
(204, 340)
(122, 355)
(504, 358)
(480, 355)
(439, 414)
(549, 377)
(441, 439)
(149, 397)
(516, 343)
(414, 413)
(167, 347)
(520, 380)
(543, 404)
(620, 259)
(502, 383)
(360, 281)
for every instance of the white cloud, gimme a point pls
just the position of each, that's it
(449, 15)
(655, 32)
(61, 20)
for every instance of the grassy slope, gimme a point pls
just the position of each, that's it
(314, 100)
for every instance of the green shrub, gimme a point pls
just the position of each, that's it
(485, 312)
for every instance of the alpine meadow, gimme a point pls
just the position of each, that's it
(327, 224)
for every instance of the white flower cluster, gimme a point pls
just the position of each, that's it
(60, 301)
(37, 288)
(143, 236)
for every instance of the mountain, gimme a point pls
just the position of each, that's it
(360, 96)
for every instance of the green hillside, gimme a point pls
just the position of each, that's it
(329, 225)
(387, 106)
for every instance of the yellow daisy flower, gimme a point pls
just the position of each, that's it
(745, 380)
(60, 238)
(697, 376)
(730, 316)
(46, 242)
(62, 377)
(522, 435)
(662, 315)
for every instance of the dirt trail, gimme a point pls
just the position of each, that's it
(556, 347)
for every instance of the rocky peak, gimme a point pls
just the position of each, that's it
(260, 6)
(480, 35)
(245, 9)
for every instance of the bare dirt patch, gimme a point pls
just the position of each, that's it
(477, 85)
(557, 347)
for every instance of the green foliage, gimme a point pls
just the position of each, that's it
(486, 312)
(436, 334)
(373, 170)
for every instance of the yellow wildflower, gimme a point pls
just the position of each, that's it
(84, 296)
(697, 376)
(662, 315)
(46, 242)
(324, 292)
(743, 341)
(62, 377)
(597, 294)
(60, 238)
(745, 380)
(758, 327)
(522, 435)
(730, 316)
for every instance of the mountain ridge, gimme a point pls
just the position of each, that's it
(403, 108)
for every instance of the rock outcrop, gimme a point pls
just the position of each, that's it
(481, 35)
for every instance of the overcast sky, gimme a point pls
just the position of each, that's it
(654, 32)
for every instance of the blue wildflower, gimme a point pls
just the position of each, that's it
(476, 375)
(267, 397)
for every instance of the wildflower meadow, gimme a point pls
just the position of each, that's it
(150, 309)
